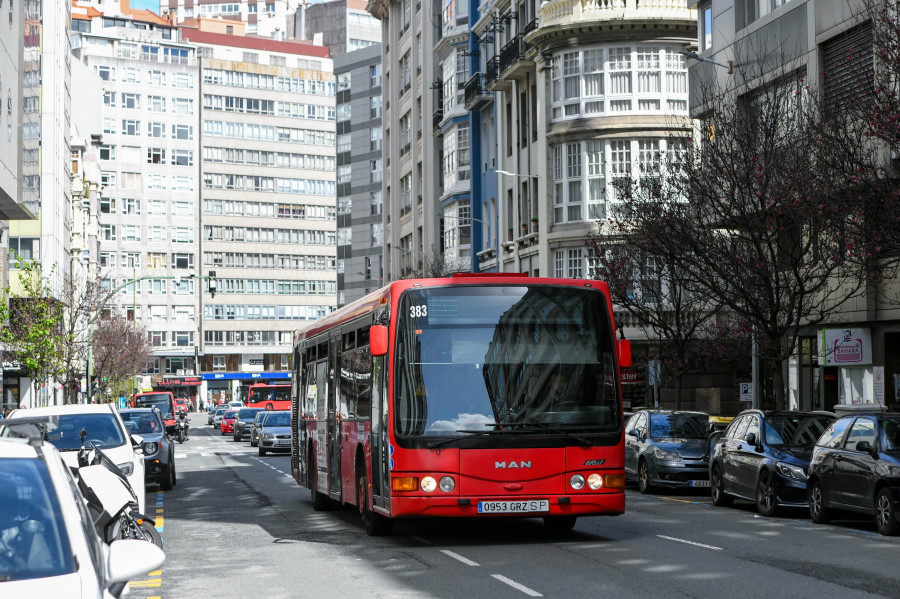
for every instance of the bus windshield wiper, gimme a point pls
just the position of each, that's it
(547, 426)
(472, 434)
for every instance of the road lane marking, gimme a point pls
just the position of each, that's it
(690, 543)
(458, 557)
(705, 503)
(516, 585)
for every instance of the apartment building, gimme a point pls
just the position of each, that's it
(412, 155)
(265, 18)
(266, 201)
(148, 213)
(763, 41)
(342, 25)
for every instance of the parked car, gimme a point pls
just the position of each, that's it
(159, 451)
(243, 422)
(105, 428)
(719, 423)
(667, 448)
(275, 433)
(255, 428)
(856, 467)
(763, 456)
(228, 421)
(60, 554)
(218, 414)
(210, 413)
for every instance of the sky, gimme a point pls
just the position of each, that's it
(148, 4)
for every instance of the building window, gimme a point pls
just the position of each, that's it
(568, 264)
(849, 67)
(375, 75)
(704, 26)
(218, 363)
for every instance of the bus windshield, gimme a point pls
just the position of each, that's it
(163, 401)
(472, 358)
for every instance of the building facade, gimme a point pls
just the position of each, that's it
(266, 202)
(265, 18)
(360, 258)
(342, 25)
(811, 40)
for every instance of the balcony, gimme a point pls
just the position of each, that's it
(560, 13)
(512, 54)
(492, 79)
(477, 96)
(436, 118)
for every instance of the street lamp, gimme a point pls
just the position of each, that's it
(695, 56)
(509, 174)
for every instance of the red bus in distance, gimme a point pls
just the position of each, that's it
(470, 396)
(269, 397)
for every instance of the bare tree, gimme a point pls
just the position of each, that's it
(753, 213)
(121, 350)
(80, 300)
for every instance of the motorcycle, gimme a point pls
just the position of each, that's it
(111, 501)
(181, 431)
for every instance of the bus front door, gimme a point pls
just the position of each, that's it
(333, 425)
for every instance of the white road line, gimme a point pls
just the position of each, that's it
(690, 543)
(205, 455)
(457, 556)
(180, 455)
(517, 586)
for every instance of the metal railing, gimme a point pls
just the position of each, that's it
(513, 52)
(492, 72)
(475, 87)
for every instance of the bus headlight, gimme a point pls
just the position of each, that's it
(429, 484)
(576, 482)
(595, 481)
(447, 484)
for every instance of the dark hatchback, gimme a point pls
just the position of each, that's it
(667, 448)
(159, 451)
(763, 456)
(243, 422)
(275, 432)
(856, 467)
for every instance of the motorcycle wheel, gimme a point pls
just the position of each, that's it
(151, 534)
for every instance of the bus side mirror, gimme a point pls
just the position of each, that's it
(624, 347)
(378, 340)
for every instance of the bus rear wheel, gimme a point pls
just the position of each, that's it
(376, 524)
(320, 502)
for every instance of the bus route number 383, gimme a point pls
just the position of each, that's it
(418, 311)
(513, 507)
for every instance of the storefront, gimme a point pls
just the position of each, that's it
(186, 387)
(10, 384)
(850, 377)
(228, 386)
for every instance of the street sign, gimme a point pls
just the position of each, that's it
(746, 391)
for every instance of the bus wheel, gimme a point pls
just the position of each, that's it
(558, 524)
(269, 407)
(320, 502)
(376, 524)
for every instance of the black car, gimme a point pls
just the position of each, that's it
(856, 467)
(763, 456)
(159, 450)
(667, 448)
(243, 421)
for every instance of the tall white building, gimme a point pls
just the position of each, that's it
(267, 201)
(148, 213)
(265, 18)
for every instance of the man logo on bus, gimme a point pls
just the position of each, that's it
(513, 464)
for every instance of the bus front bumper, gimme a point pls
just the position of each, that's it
(577, 504)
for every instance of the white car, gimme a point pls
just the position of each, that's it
(105, 428)
(48, 545)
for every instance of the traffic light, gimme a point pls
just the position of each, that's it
(212, 283)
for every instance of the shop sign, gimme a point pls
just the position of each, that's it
(217, 376)
(188, 381)
(846, 347)
(631, 376)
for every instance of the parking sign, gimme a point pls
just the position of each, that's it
(746, 391)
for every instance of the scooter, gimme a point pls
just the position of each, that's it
(111, 501)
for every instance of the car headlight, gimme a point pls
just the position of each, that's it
(127, 468)
(666, 456)
(268, 435)
(790, 471)
(150, 448)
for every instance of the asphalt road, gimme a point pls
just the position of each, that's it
(237, 525)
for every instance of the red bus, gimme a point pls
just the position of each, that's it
(470, 396)
(270, 397)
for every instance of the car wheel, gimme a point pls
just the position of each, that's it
(818, 513)
(167, 484)
(252, 442)
(236, 438)
(643, 477)
(766, 503)
(717, 488)
(885, 516)
(262, 452)
(559, 524)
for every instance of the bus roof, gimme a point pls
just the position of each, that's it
(382, 297)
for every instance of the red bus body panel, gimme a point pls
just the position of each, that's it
(257, 397)
(475, 471)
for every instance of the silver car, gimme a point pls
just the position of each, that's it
(218, 414)
(275, 432)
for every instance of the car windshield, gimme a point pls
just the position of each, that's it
(102, 429)
(230, 414)
(33, 539)
(795, 431)
(161, 401)
(681, 426)
(278, 419)
(506, 356)
(220, 411)
(144, 422)
(248, 413)
(259, 417)
(890, 434)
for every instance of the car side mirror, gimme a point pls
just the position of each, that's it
(751, 439)
(137, 440)
(624, 347)
(632, 433)
(866, 447)
(378, 340)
